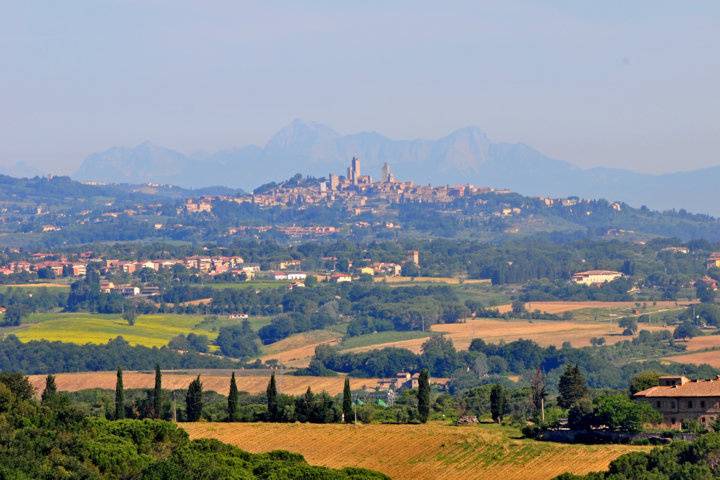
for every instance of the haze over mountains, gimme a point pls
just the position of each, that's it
(466, 155)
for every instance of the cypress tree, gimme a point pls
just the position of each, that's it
(272, 399)
(157, 393)
(119, 396)
(572, 386)
(232, 400)
(498, 403)
(424, 395)
(50, 388)
(347, 402)
(194, 401)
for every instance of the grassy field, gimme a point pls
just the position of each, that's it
(494, 331)
(149, 330)
(297, 350)
(255, 284)
(600, 311)
(419, 452)
(247, 381)
(701, 350)
(381, 338)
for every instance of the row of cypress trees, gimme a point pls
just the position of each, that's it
(194, 401)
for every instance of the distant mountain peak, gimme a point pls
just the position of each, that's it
(465, 155)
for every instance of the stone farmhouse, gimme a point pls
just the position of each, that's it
(680, 399)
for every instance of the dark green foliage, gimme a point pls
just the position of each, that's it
(56, 441)
(45, 357)
(238, 341)
(191, 342)
(14, 315)
(157, 396)
(643, 381)
(686, 330)
(119, 396)
(232, 405)
(498, 403)
(424, 396)
(272, 400)
(18, 385)
(572, 386)
(347, 402)
(50, 389)
(194, 400)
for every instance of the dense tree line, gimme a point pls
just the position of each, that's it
(606, 367)
(55, 439)
(41, 356)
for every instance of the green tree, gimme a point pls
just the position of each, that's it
(704, 292)
(119, 396)
(347, 402)
(157, 393)
(572, 386)
(621, 414)
(630, 325)
(272, 399)
(50, 388)
(14, 315)
(423, 395)
(686, 330)
(194, 400)
(498, 403)
(232, 405)
(129, 315)
(643, 381)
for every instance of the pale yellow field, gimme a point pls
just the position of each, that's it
(418, 452)
(72, 382)
(298, 349)
(562, 307)
(493, 331)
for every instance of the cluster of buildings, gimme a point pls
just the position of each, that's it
(679, 399)
(59, 266)
(595, 277)
(357, 192)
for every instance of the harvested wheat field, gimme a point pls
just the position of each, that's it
(712, 358)
(298, 349)
(290, 384)
(418, 452)
(493, 331)
(562, 307)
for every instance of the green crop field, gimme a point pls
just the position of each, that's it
(149, 330)
(381, 338)
(255, 284)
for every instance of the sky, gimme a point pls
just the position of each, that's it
(614, 83)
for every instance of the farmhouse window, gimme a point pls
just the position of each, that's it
(657, 404)
(702, 403)
(689, 403)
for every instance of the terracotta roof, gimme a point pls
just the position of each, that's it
(599, 272)
(699, 388)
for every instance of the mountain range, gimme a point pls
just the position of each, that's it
(466, 155)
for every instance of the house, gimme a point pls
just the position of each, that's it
(367, 271)
(595, 277)
(150, 291)
(713, 260)
(341, 278)
(106, 286)
(79, 269)
(679, 399)
(129, 291)
(296, 276)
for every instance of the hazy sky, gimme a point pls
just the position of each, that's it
(631, 84)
